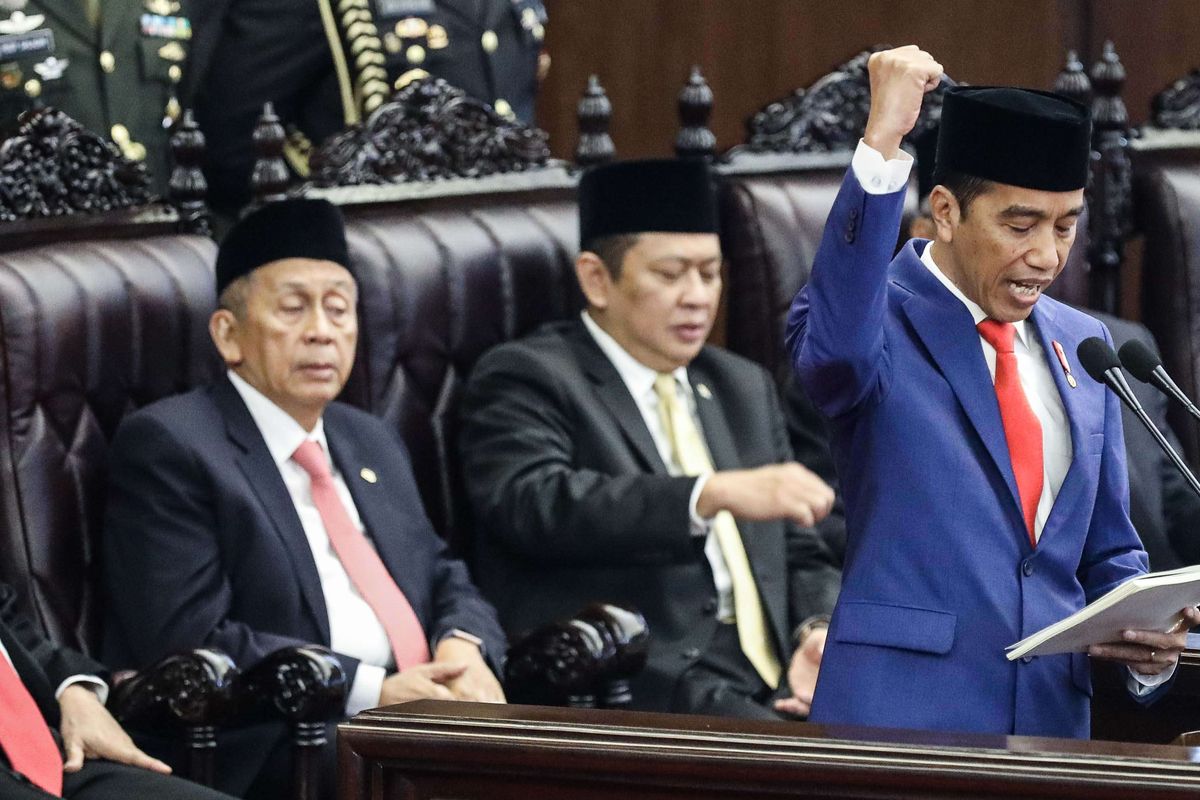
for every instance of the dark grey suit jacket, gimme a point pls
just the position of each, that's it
(573, 503)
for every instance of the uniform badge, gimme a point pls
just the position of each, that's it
(172, 51)
(411, 28)
(27, 45)
(404, 8)
(368, 475)
(438, 38)
(166, 27)
(163, 8)
(52, 68)
(21, 23)
(1066, 365)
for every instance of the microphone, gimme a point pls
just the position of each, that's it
(1099, 360)
(1145, 365)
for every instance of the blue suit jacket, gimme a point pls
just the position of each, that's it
(939, 574)
(203, 546)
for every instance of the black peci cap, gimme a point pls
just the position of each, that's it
(296, 228)
(1018, 137)
(650, 196)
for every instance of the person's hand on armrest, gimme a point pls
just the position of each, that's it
(476, 682)
(1149, 652)
(778, 491)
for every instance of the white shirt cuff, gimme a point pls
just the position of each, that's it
(364, 692)
(1142, 685)
(877, 176)
(95, 684)
(699, 524)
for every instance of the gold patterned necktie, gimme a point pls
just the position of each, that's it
(692, 458)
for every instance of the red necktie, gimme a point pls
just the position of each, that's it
(1021, 426)
(24, 735)
(362, 563)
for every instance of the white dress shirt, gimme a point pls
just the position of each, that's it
(639, 380)
(879, 176)
(353, 627)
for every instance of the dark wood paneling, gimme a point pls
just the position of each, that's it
(754, 51)
(1157, 40)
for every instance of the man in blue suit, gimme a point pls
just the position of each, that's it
(258, 514)
(984, 480)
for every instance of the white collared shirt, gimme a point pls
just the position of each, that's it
(639, 380)
(353, 627)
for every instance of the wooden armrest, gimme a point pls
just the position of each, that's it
(560, 663)
(194, 688)
(306, 683)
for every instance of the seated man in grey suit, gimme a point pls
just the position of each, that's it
(616, 457)
(258, 513)
(56, 737)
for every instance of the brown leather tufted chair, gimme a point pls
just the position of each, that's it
(1166, 201)
(88, 332)
(441, 280)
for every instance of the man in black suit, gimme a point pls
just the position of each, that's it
(57, 700)
(326, 64)
(257, 513)
(616, 457)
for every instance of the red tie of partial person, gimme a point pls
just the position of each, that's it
(26, 739)
(1021, 426)
(362, 563)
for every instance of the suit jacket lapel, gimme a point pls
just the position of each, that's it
(764, 545)
(117, 21)
(1076, 405)
(372, 502)
(32, 675)
(947, 329)
(614, 394)
(69, 14)
(262, 474)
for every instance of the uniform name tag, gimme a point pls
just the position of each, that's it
(404, 8)
(166, 27)
(22, 45)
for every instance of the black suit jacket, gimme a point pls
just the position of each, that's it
(1164, 509)
(203, 546)
(40, 663)
(573, 503)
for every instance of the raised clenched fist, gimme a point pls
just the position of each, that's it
(899, 80)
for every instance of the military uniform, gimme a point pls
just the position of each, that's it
(326, 64)
(115, 66)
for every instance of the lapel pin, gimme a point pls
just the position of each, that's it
(1066, 365)
(704, 392)
(368, 475)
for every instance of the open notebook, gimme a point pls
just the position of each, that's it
(1150, 602)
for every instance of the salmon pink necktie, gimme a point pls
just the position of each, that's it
(24, 735)
(1021, 426)
(362, 563)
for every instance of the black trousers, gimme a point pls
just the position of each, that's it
(723, 683)
(104, 780)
